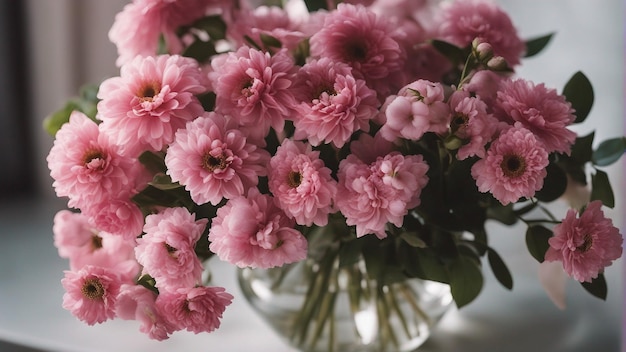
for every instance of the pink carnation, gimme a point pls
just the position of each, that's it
(152, 98)
(262, 21)
(471, 123)
(463, 21)
(91, 293)
(541, 110)
(136, 302)
(252, 231)
(139, 26)
(196, 309)
(87, 167)
(119, 216)
(355, 35)
(301, 184)
(586, 244)
(254, 87)
(167, 250)
(332, 103)
(213, 159)
(418, 108)
(370, 196)
(514, 167)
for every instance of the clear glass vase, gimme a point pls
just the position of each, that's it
(320, 305)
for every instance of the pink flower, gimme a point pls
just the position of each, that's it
(152, 98)
(355, 35)
(265, 21)
(119, 216)
(212, 158)
(370, 196)
(471, 123)
(254, 87)
(166, 251)
(301, 184)
(586, 244)
(418, 108)
(463, 21)
(135, 302)
(485, 85)
(196, 309)
(252, 231)
(541, 110)
(91, 293)
(332, 103)
(368, 148)
(138, 27)
(86, 166)
(514, 167)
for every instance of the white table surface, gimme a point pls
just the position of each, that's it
(589, 38)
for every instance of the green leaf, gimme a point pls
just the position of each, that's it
(148, 282)
(609, 151)
(503, 214)
(163, 182)
(601, 189)
(535, 45)
(537, 241)
(349, 253)
(270, 41)
(452, 52)
(582, 150)
(412, 239)
(154, 162)
(579, 91)
(199, 50)
(499, 269)
(314, 5)
(466, 280)
(554, 184)
(214, 26)
(597, 287)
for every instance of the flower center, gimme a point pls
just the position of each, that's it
(170, 250)
(587, 243)
(356, 51)
(93, 289)
(212, 163)
(328, 89)
(458, 123)
(148, 91)
(513, 165)
(294, 179)
(96, 242)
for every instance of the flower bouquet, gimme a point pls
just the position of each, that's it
(370, 141)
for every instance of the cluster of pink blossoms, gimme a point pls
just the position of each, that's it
(341, 120)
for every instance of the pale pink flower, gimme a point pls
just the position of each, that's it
(135, 302)
(212, 158)
(586, 244)
(72, 231)
(368, 148)
(262, 21)
(418, 108)
(196, 309)
(370, 196)
(463, 21)
(332, 103)
(301, 184)
(138, 28)
(254, 87)
(514, 167)
(485, 84)
(252, 231)
(119, 216)
(91, 293)
(166, 250)
(471, 123)
(86, 167)
(540, 109)
(152, 98)
(367, 42)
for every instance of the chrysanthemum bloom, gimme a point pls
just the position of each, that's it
(463, 21)
(471, 123)
(91, 293)
(135, 302)
(152, 98)
(369, 148)
(301, 183)
(166, 250)
(119, 216)
(213, 159)
(418, 108)
(263, 21)
(370, 196)
(540, 109)
(332, 103)
(586, 244)
(196, 309)
(86, 167)
(254, 87)
(139, 26)
(252, 231)
(357, 36)
(514, 167)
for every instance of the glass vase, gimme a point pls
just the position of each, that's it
(323, 305)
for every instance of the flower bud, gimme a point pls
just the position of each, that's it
(483, 52)
(497, 63)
